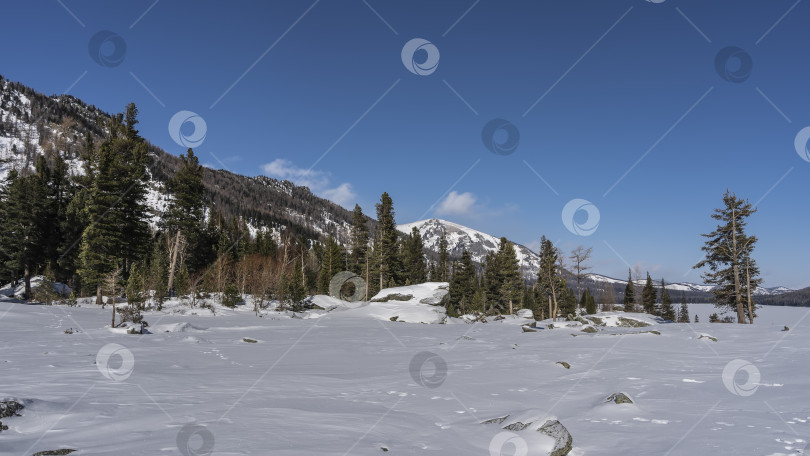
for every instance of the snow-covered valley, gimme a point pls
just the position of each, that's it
(350, 382)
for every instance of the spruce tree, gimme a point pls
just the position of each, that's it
(667, 311)
(359, 242)
(728, 257)
(512, 281)
(550, 281)
(22, 204)
(413, 258)
(649, 296)
(118, 233)
(683, 315)
(184, 214)
(588, 302)
(629, 294)
(332, 263)
(443, 266)
(462, 286)
(386, 247)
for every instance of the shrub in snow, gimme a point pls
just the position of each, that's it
(231, 296)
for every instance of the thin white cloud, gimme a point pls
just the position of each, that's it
(343, 195)
(457, 204)
(317, 181)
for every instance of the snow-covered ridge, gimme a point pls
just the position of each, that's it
(478, 243)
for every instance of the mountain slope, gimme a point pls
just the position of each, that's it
(460, 237)
(33, 124)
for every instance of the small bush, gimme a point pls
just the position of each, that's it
(231, 296)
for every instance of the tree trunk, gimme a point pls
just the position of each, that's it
(511, 312)
(113, 313)
(27, 276)
(174, 262)
(367, 282)
(550, 311)
(736, 269)
(750, 301)
(99, 298)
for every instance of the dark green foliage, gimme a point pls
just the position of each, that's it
(22, 204)
(629, 294)
(550, 281)
(333, 262)
(502, 279)
(728, 257)
(185, 211)
(118, 232)
(588, 302)
(683, 314)
(667, 311)
(443, 266)
(413, 258)
(463, 286)
(231, 296)
(649, 296)
(359, 242)
(386, 245)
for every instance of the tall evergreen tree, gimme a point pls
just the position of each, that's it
(22, 204)
(359, 241)
(550, 281)
(649, 296)
(386, 248)
(332, 263)
(629, 294)
(588, 302)
(667, 311)
(413, 258)
(183, 219)
(683, 315)
(118, 233)
(728, 257)
(512, 281)
(443, 266)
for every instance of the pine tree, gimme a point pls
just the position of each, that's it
(331, 263)
(462, 286)
(550, 281)
(22, 204)
(184, 214)
(667, 311)
(649, 296)
(512, 281)
(588, 302)
(413, 258)
(728, 257)
(629, 294)
(118, 232)
(683, 315)
(388, 265)
(359, 241)
(443, 266)
(697, 320)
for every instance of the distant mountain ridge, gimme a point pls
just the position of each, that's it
(34, 124)
(478, 243)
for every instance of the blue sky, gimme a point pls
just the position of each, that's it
(617, 103)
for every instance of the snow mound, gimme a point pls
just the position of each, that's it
(420, 303)
(183, 327)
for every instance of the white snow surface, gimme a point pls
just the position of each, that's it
(349, 382)
(413, 304)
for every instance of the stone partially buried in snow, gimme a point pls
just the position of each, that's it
(563, 441)
(525, 313)
(528, 421)
(432, 293)
(619, 398)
